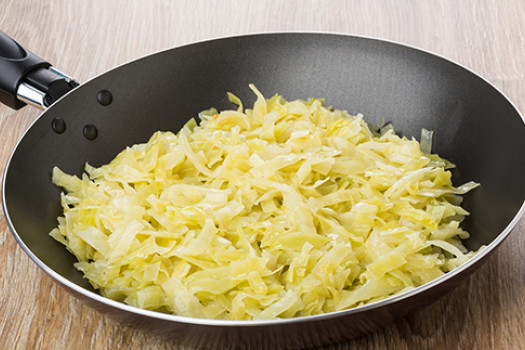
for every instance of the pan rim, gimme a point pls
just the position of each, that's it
(280, 321)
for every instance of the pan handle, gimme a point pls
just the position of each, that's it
(26, 78)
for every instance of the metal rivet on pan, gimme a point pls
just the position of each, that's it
(90, 132)
(104, 97)
(58, 125)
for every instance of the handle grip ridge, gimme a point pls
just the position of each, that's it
(22, 71)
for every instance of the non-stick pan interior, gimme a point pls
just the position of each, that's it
(474, 125)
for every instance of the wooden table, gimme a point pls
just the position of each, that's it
(85, 38)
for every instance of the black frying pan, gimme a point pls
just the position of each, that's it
(474, 125)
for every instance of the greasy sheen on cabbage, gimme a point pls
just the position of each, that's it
(283, 210)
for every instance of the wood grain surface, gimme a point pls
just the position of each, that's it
(85, 38)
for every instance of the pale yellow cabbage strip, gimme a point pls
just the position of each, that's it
(287, 209)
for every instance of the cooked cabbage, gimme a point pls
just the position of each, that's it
(287, 209)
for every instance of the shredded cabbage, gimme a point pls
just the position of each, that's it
(286, 209)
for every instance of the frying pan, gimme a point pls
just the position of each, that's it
(475, 126)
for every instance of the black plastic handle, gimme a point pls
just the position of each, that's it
(18, 65)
